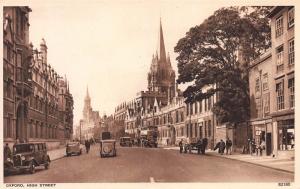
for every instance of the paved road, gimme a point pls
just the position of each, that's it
(150, 165)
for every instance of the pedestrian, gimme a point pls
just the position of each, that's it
(222, 147)
(142, 142)
(138, 141)
(292, 143)
(167, 142)
(7, 152)
(204, 145)
(257, 145)
(199, 145)
(217, 147)
(180, 146)
(262, 147)
(253, 144)
(228, 146)
(87, 146)
(249, 150)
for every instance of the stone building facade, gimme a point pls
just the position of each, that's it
(283, 59)
(31, 87)
(17, 85)
(161, 89)
(272, 87)
(65, 108)
(90, 120)
(261, 86)
(163, 106)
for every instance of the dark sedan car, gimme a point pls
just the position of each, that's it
(27, 156)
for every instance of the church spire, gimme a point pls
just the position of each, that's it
(87, 93)
(161, 47)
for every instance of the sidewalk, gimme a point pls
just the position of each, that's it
(57, 153)
(280, 163)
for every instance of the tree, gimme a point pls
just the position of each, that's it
(217, 52)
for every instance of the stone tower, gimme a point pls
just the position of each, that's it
(161, 77)
(87, 109)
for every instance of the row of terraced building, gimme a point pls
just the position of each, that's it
(271, 84)
(37, 103)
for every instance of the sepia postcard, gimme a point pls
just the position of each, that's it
(136, 93)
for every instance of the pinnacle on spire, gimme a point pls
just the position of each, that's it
(168, 57)
(161, 48)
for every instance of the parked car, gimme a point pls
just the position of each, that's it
(126, 141)
(27, 156)
(108, 148)
(73, 148)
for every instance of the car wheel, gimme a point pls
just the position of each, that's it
(32, 167)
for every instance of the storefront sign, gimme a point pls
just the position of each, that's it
(261, 122)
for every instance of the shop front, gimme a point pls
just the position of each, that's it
(286, 134)
(284, 123)
(263, 135)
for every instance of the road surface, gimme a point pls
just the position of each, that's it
(149, 165)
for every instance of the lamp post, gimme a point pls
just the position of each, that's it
(80, 123)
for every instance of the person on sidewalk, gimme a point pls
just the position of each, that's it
(7, 152)
(204, 145)
(142, 142)
(258, 149)
(228, 146)
(253, 147)
(217, 147)
(262, 147)
(222, 147)
(199, 145)
(180, 146)
(87, 146)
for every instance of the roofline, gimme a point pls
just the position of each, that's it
(261, 59)
(275, 10)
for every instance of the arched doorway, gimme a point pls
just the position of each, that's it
(21, 123)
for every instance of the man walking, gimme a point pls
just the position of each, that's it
(228, 146)
(222, 147)
(199, 145)
(87, 146)
(7, 152)
(180, 146)
(204, 145)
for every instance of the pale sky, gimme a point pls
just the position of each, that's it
(109, 45)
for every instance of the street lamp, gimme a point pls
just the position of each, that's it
(80, 130)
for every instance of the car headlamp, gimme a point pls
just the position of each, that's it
(8, 159)
(22, 158)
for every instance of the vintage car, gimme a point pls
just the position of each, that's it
(73, 148)
(108, 148)
(27, 156)
(149, 137)
(196, 144)
(126, 141)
